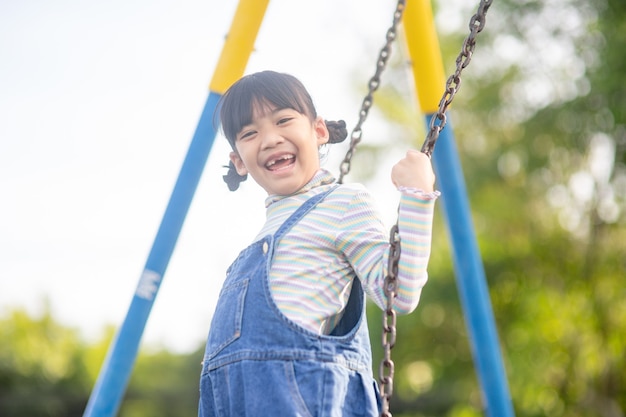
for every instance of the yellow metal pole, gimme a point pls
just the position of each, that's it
(239, 44)
(426, 60)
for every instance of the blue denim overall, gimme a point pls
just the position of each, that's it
(259, 363)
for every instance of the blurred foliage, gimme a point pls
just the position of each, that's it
(163, 384)
(540, 125)
(42, 368)
(46, 370)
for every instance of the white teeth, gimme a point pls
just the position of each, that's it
(282, 158)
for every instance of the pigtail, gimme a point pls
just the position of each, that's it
(337, 131)
(232, 178)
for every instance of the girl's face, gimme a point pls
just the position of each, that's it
(279, 149)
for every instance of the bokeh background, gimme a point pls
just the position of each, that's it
(98, 104)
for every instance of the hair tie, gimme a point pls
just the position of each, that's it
(337, 131)
(232, 178)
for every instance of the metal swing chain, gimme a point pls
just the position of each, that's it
(374, 83)
(390, 286)
(438, 121)
(386, 370)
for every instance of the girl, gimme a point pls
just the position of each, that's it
(289, 335)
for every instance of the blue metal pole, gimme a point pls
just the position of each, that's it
(113, 379)
(470, 276)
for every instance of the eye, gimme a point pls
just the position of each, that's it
(246, 134)
(284, 120)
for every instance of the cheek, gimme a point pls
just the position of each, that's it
(238, 159)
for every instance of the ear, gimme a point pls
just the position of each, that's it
(321, 131)
(239, 166)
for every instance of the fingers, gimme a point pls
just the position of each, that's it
(415, 171)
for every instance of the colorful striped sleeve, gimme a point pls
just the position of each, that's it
(364, 242)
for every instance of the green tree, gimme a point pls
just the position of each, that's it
(42, 368)
(163, 384)
(46, 369)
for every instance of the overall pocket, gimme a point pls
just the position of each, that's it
(227, 319)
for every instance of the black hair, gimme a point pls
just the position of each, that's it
(283, 91)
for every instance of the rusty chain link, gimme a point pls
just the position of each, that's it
(438, 121)
(374, 83)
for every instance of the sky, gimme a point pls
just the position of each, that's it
(98, 104)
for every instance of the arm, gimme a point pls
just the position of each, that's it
(414, 176)
(365, 245)
(415, 216)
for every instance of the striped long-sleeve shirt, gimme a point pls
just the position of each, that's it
(343, 237)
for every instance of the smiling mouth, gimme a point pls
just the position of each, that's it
(281, 162)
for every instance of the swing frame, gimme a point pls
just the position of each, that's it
(427, 68)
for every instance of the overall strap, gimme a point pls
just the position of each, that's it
(301, 212)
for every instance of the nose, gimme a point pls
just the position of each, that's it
(271, 139)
